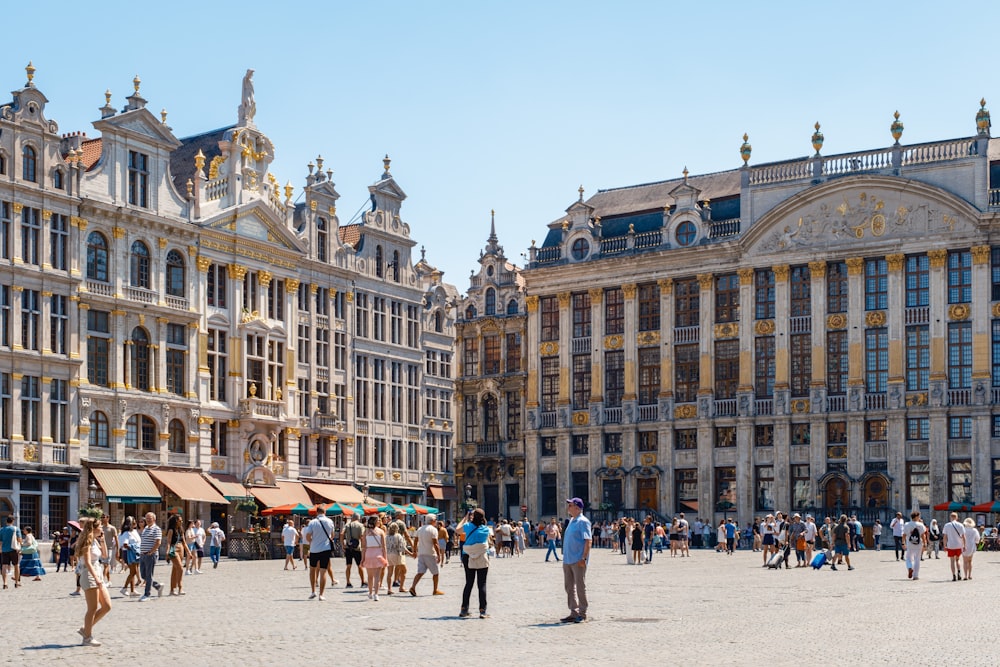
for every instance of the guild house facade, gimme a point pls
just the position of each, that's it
(815, 334)
(181, 333)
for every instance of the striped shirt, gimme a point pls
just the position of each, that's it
(150, 536)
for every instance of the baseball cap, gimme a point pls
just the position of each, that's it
(430, 518)
(575, 501)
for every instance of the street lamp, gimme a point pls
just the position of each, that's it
(92, 492)
(364, 489)
(469, 503)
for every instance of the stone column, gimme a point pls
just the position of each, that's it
(16, 317)
(191, 361)
(15, 233)
(531, 353)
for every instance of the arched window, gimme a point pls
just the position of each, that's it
(140, 433)
(512, 307)
(57, 179)
(491, 301)
(438, 321)
(175, 273)
(379, 259)
(139, 268)
(140, 359)
(321, 239)
(97, 257)
(395, 265)
(177, 442)
(470, 313)
(99, 429)
(29, 162)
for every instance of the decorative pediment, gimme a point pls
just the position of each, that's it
(141, 122)
(390, 188)
(857, 212)
(256, 224)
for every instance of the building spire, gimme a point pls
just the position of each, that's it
(493, 227)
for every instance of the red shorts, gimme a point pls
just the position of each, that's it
(954, 553)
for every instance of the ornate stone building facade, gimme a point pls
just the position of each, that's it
(821, 333)
(491, 384)
(169, 311)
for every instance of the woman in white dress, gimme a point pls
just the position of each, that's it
(972, 538)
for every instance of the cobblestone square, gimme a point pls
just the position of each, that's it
(708, 609)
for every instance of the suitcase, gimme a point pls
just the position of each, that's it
(819, 560)
(775, 561)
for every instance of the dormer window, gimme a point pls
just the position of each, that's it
(580, 249)
(57, 180)
(138, 179)
(395, 265)
(686, 233)
(378, 262)
(491, 301)
(29, 162)
(321, 239)
(512, 307)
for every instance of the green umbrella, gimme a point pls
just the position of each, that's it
(423, 509)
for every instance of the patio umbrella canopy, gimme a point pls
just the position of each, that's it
(953, 507)
(297, 509)
(991, 506)
(423, 509)
(337, 509)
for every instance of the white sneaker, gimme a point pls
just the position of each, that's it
(312, 596)
(376, 597)
(322, 598)
(144, 598)
(198, 572)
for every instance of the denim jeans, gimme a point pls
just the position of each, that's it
(215, 553)
(552, 550)
(146, 566)
(649, 549)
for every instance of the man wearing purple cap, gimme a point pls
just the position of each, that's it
(576, 551)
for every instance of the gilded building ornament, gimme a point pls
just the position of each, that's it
(31, 453)
(647, 459)
(531, 301)
(236, 272)
(613, 461)
(313, 288)
(800, 406)
(192, 250)
(312, 205)
(981, 254)
(118, 232)
(264, 278)
(959, 311)
(937, 258)
(17, 206)
(46, 215)
(564, 299)
(292, 285)
(581, 418)
(596, 295)
(162, 242)
(875, 318)
(764, 327)
(895, 262)
(996, 310)
(780, 272)
(746, 276)
(686, 411)
(706, 280)
(666, 286)
(647, 338)
(614, 342)
(855, 265)
(836, 321)
(629, 290)
(916, 399)
(727, 330)
(548, 348)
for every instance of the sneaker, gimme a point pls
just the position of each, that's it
(915, 578)
(124, 591)
(833, 567)
(75, 593)
(90, 641)
(369, 596)
(582, 618)
(464, 613)
(568, 619)
(144, 598)
(312, 596)
(376, 597)
(483, 614)
(159, 590)
(349, 585)
(322, 598)
(200, 572)
(850, 567)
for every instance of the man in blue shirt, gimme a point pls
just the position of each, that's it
(10, 543)
(576, 551)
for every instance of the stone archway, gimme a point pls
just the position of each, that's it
(837, 493)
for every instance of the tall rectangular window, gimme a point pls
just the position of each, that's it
(918, 357)
(959, 355)
(581, 315)
(549, 446)
(917, 281)
(491, 355)
(98, 344)
(580, 445)
(727, 298)
(725, 436)
(581, 381)
(649, 307)
(379, 389)
(959, 276)
(31, 231)
(362, 386)
(216, 282)
(378, 318)
(725, 487)
(176, 358)
(764, 366)
(994, 273)
(548, 315)
(648, 441)
(800, 356)
(470, 347)
(918, 484)
(322, 347)
(5, 315)
(276, 300)
(918, 428)
(396, 323)
(614, 378)
(513, 415)
(764, 493)
(764, 294)
(58, 242)
(614, 311)
(686, 373)
(58, 323)
(686, 488)
(218, 365)
(304, 344)
(59, 412)
(836, 287)
(801, 486)
(612, 443)
(687, 296)
(686, 438)
(763, 435)
(31, 409)
(727, 368)
(800, 291)
(513, 353)
(995, 348)
(138, 179)
(960, 481)
(649, 375)
(550, 504)
(361, 315)
(836, 363)
(471, 412)
(550, 383)
(959, 428)
(31, 318)
(876, 284)
(876, 360)
(5, 229)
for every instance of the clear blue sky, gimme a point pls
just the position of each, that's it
(513, 105)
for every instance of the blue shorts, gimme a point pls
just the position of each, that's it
(842, 549)
(768, 539)
(289, 550)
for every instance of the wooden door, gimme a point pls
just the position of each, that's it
(647, 497)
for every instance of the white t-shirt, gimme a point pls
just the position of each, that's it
(318, 540)
(972, 538)
(877, 529)
(217, 537)
(897, 527)
(953, 533)
(289, 535)
(908, 530)
(810, 531)
(199, 537)
(504, 533)
(426, 539)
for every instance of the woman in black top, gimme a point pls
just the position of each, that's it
(637, 543)
(176, 551)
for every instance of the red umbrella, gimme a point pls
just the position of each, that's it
(953, 507)
(991, 506)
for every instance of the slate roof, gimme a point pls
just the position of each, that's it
(182, 159)
(649, 197)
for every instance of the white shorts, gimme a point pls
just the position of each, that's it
(425, 563)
